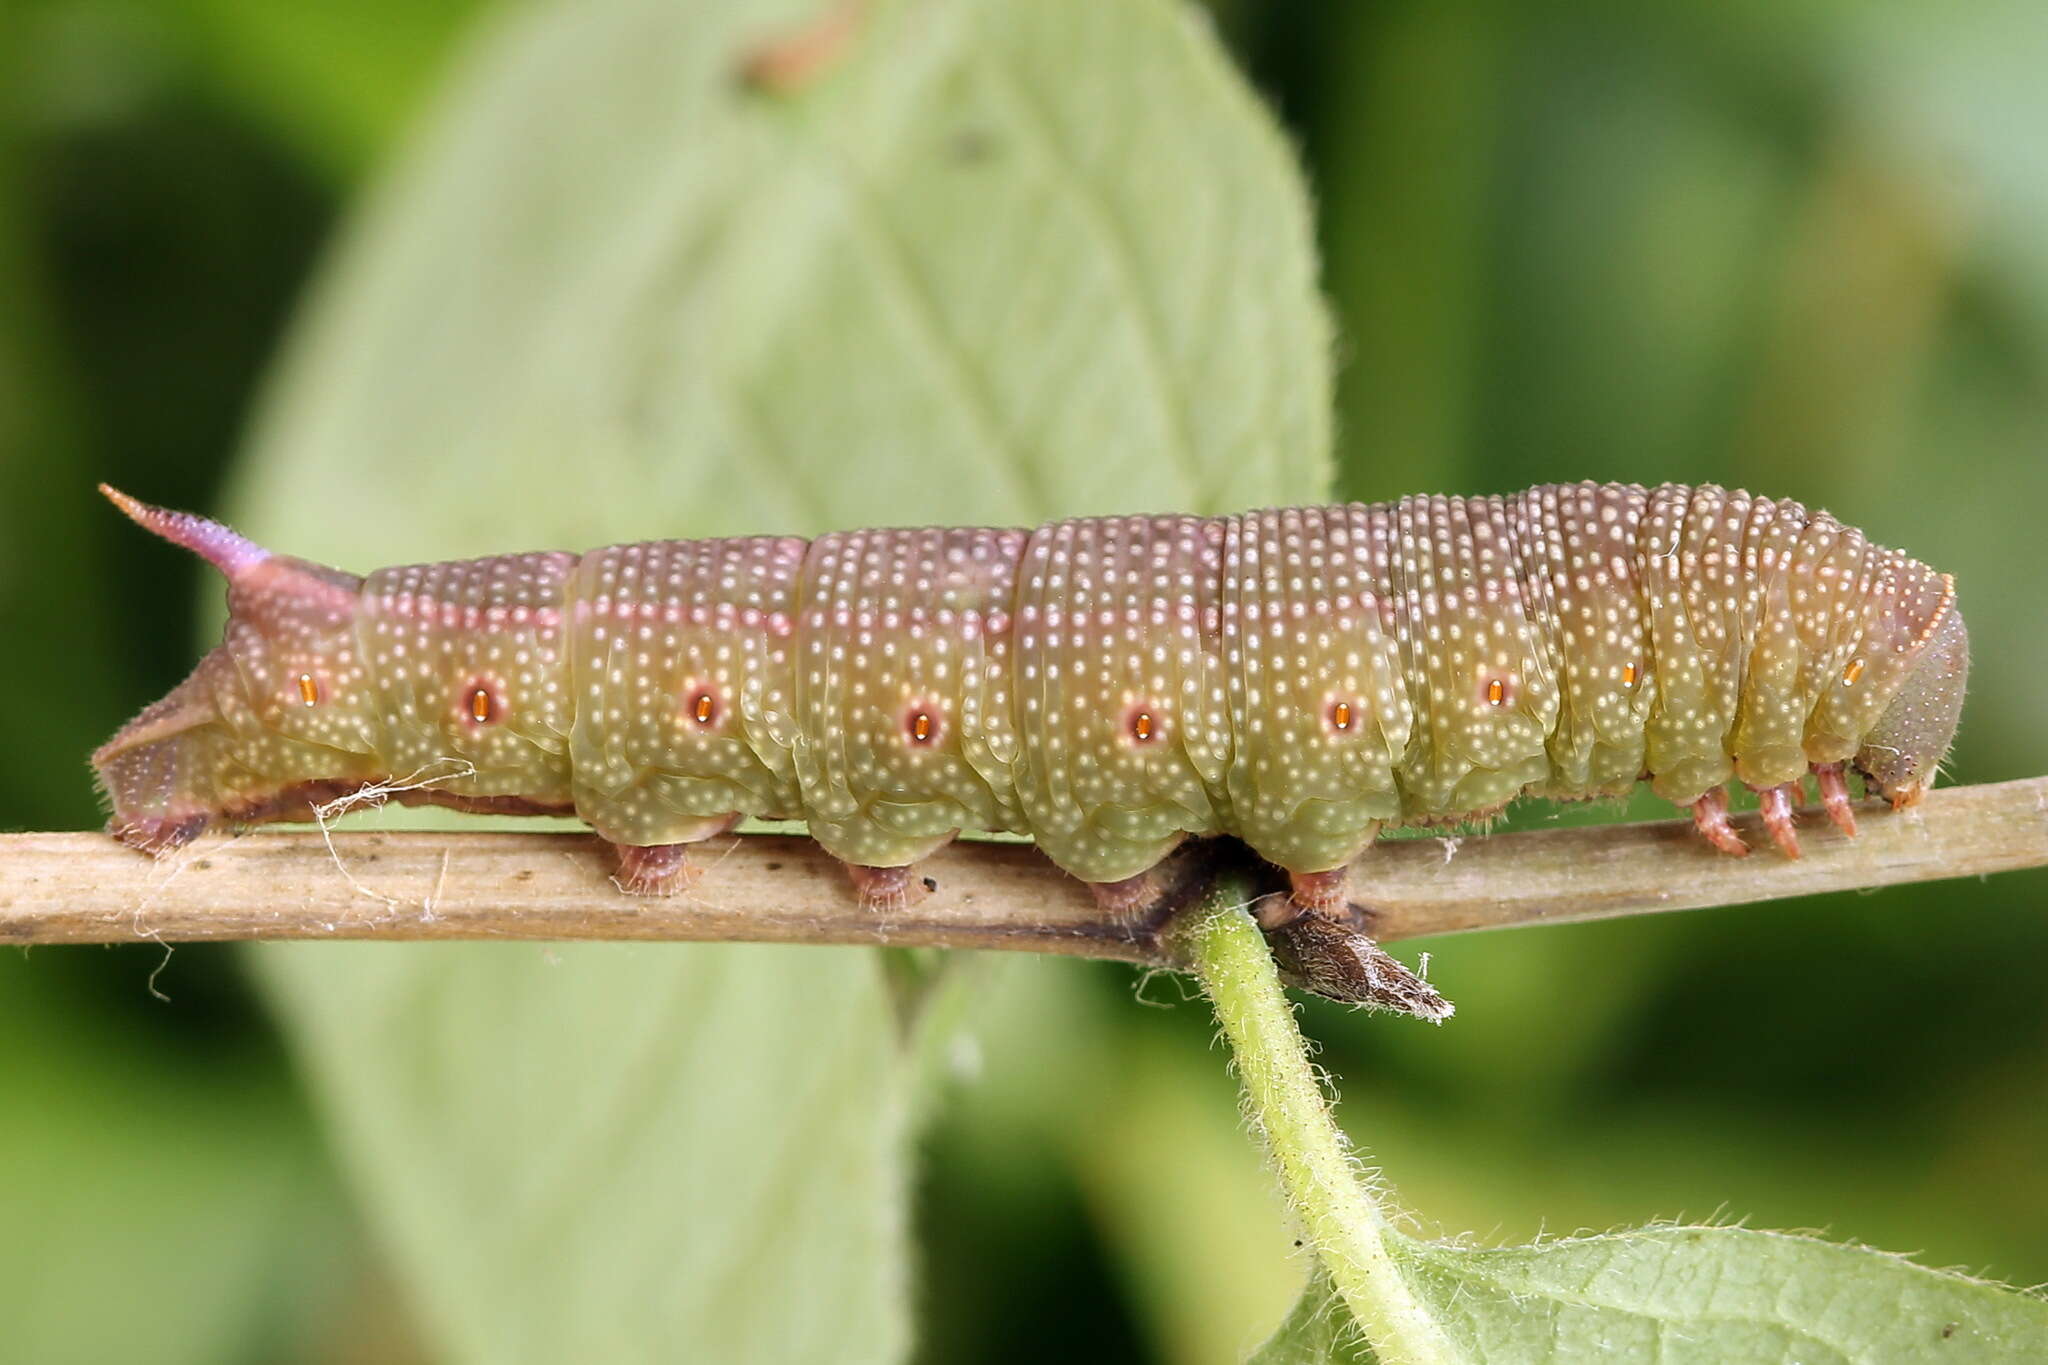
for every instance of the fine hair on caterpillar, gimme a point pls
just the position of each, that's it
(1298, 679)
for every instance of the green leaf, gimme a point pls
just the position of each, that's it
(46, 511)
(1707, 1294)
(990, 263)
(1003, 262)
(338, 81)
(1318, 1330)
(1201, 1241)
(164, 1200)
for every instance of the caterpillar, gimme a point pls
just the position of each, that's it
(1297, 678)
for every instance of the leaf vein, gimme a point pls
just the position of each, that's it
(1098, 218)
(899, 277)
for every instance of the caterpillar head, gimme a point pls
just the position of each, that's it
(1901, 752)
(258, 730)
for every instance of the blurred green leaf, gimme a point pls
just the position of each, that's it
(993, 263)
(1005, 262)
(1205, 1236)
(1319, 1330)
(1408, 142)
(338, 81)
(1709, 1294)
(45, 512)
(1205, 1247)
(163, 1201)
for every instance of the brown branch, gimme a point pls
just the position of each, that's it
(84, 888)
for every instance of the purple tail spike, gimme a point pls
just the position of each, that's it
(216, 544)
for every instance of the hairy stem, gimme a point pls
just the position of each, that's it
(1345, 1223)
(280, 884)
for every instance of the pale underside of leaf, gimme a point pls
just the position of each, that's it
(995, 263)
(1686, 1294)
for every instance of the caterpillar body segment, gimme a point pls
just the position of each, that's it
(1298, 678)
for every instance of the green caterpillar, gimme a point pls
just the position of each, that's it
(1109, 686)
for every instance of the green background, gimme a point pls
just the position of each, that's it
(1790, 247)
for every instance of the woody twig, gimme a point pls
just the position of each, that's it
(365, 884)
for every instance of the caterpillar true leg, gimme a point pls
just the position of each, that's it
(1710, 814)
(1776, 804)
(1834, 796)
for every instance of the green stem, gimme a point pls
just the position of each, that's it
(1347, 1226)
